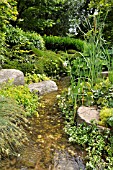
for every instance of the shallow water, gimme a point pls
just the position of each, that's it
(46, 136)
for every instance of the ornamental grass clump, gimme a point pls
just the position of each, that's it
(12, 127)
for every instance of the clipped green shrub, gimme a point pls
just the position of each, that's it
(35, 40)
(63, 43)
(23, 97)
(12, 127)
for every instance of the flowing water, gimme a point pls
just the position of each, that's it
(46, 136)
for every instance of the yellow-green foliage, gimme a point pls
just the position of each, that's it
(105, 113)
(35, 78)
(23, 97)
(12, 123)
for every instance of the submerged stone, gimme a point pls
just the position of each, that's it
(64, 161)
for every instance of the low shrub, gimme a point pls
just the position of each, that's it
(19, 54)
(37, 61)
(26, 40)
(63, 43)
(23, 97)
(12, 127)
(49, 63)
(25, 67)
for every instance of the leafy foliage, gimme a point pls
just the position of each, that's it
(105, 114)
(23, 97)
(96, 144)
(43, 16)
(16, 37)
(49, 62)
(101, 94)
(35, 78)
(8, 12)
(12, 127)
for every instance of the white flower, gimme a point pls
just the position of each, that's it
(65, 63)
(95, 13)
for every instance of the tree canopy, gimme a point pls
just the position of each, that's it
(54, 17)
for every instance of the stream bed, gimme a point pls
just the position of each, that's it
(45, 137)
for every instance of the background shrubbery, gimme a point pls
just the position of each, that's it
(56, 43)
(16, 37)
(39, 62)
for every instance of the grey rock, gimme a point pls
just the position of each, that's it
(80, 163)
(43, 87)
(16, 76)
(64, 161)
(24, 168)
(87, 114)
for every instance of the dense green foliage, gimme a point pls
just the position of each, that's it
(16, 38)
(99, 95)
(12, 127)
(8, 12)
(98, 145)
(35, 78)
(36, 61)
(105, 114)
(45, 17)
(19, 52)
(63, 43)
(23, 97)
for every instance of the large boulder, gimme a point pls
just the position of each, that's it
(16, 76)
(43, 87)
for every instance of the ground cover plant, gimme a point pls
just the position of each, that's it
(35, 78)
(22, 95)
(97, 144)
(12, 127)
(17, 103)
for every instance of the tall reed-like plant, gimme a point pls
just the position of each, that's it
(96, 51)
(94, 55)
(75, 88)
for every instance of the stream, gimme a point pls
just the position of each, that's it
(45, 137)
